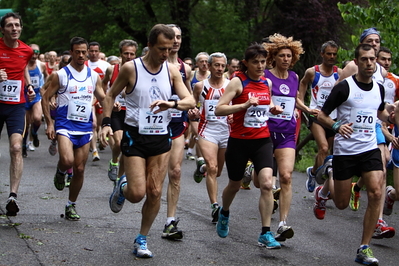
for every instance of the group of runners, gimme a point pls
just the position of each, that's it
(149, 108)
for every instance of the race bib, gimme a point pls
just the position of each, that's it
(35, 81)
(256, 116)
(363, 120)
(287, 104)
(322, 96)
(10, 91)
(79, 109)
(153, 124)
(210, 106)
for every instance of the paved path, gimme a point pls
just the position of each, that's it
(39, 236)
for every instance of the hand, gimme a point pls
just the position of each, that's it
(230, 119)
(53, 105)
(3, 75)
(193, 114)
(276, 110)
(346, 130)
(395, 143)
(117, 107)
(253, 101)
(50, 132)
(162, 106)
(314, 112)
(105, 133)
(31, 94)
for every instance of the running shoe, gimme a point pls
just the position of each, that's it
(382, 230)
(59, 180)
(70, 213)
(222, 226)
(116, 200)
(319, 208)
(140, 248)
(365, 256)
(113, 170)
(171, 232)
(322, 171)
(275, 205)
(12, 206)
(284, 232)
(68, 180)
(215, 214)
(96, 156)
(276, 193)
(310, 182)
(36, 141)
(246, 180)
(30, 146)
(24, 153)
(354, 202)
(388, 204)
(101, 147)
(198, 176)
(52, 149)
(267, 240)
(190, 156)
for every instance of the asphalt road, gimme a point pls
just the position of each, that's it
(39, 236)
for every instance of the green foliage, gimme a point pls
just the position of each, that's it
(379, 14)
(307, 154)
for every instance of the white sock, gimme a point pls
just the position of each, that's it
(70, 203)
(322, 195)
(190, 150)
(202, 168)
(282, 223)
(169, 220)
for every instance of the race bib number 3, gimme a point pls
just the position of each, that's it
(363, 121)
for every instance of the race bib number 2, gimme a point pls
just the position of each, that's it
(256, 116)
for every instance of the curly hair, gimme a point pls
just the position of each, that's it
(278, 42)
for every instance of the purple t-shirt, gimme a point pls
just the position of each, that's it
(284, 93)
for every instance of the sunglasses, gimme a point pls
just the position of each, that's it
(36, 51)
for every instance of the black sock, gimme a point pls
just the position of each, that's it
(225, 213)
(12, 194)
(356, 188)
(265, 229)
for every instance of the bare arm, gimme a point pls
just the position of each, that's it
(44, 70)
(233, 89)
(188, 77)
(186, 99)
(50, 89)
(107, 78)
(126, 76)
(99, 92)
(31, 92)
(303, 87)
(344, 129)
(349, 70)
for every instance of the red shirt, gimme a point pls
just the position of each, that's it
(14, 61)
(254, 88)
